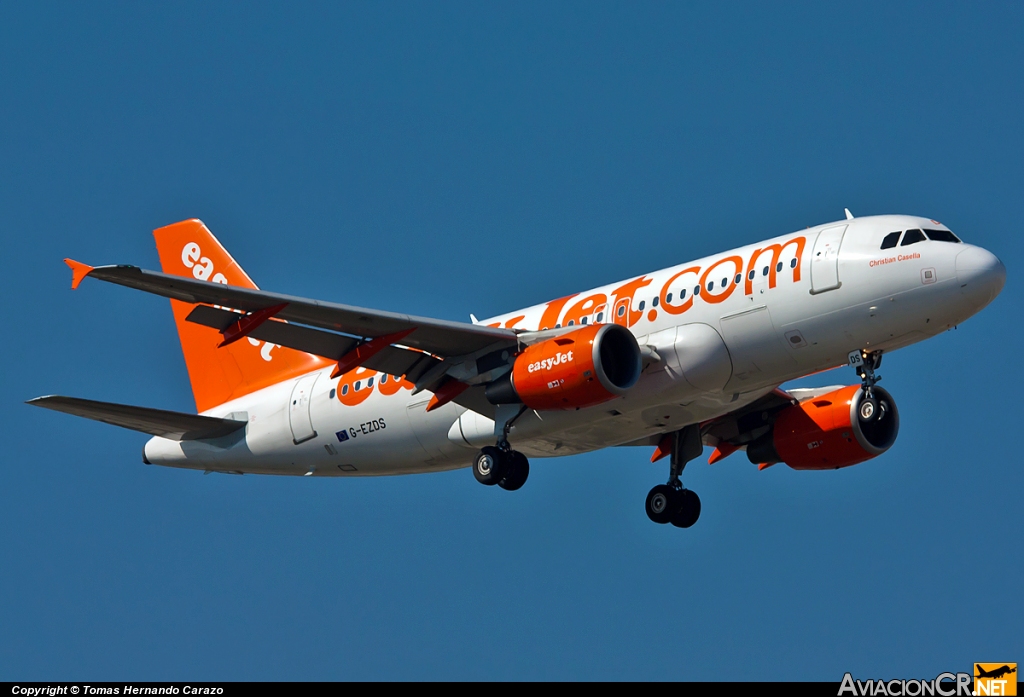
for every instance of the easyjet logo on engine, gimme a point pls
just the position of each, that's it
(202, 269)
(549, 363)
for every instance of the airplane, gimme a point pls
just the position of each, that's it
(995, 673)
(685, 357)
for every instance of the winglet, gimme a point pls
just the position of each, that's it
(849, 215)
(78, 271)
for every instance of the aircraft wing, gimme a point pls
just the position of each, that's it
(157, 422)
(438, 337)
(392, 360)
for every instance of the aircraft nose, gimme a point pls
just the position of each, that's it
(981, 275)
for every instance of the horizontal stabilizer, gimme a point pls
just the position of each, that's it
(158, 422)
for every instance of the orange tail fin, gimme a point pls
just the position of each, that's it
(217, 374)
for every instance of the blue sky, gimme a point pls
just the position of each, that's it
(442, 159)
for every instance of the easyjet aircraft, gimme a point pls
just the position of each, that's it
(688, 356)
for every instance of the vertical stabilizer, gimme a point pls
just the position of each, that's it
(217, 374)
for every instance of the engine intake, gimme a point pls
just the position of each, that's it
(826, 433)
(578, 369)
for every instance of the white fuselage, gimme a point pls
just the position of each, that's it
(765, 313)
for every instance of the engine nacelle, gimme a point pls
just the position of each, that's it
(825, 432)
(578, 369)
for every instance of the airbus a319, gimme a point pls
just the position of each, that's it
(678, 359)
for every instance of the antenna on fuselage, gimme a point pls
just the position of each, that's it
(849, 215)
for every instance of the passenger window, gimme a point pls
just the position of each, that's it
(383, 378)
(751, 274)
(359, 385)
(621, 311)
(344, 390)
(332, 393)
(583, 321)
(725, 282)
(654, 301)
(696, 290)
(912, 237)
(792, 263)
(711, 286)
(764, 271)
(600, 316)
(778, 267)
(570, 323)
(942, 236)
(739, 277)
(369, 383)
(642, 304)
(668, 298)
(682, 294)
(890, 240)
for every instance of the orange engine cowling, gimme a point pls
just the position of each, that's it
(578, 369)
(825, 433)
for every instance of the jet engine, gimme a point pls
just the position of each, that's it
(577, 369)
(826, 432)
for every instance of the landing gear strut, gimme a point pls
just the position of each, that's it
(866, 363)
(671, 503)
(500, 464)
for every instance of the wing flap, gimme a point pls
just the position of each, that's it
(392, 360)
(435, 336)
(157, 422)
(319, 343)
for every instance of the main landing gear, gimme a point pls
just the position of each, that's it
(866, 363)
(501, 464)
(671, 503)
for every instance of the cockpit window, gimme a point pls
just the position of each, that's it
(890, 240)
(912, 237)
(942, 236)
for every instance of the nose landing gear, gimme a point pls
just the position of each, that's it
(866, 363)
(671, 503)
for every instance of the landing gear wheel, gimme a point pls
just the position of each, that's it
(868, 410)
(490, 465)
(688, 510)
(518, 471)
(661, 503)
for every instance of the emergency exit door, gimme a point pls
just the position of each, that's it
(298, 409)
